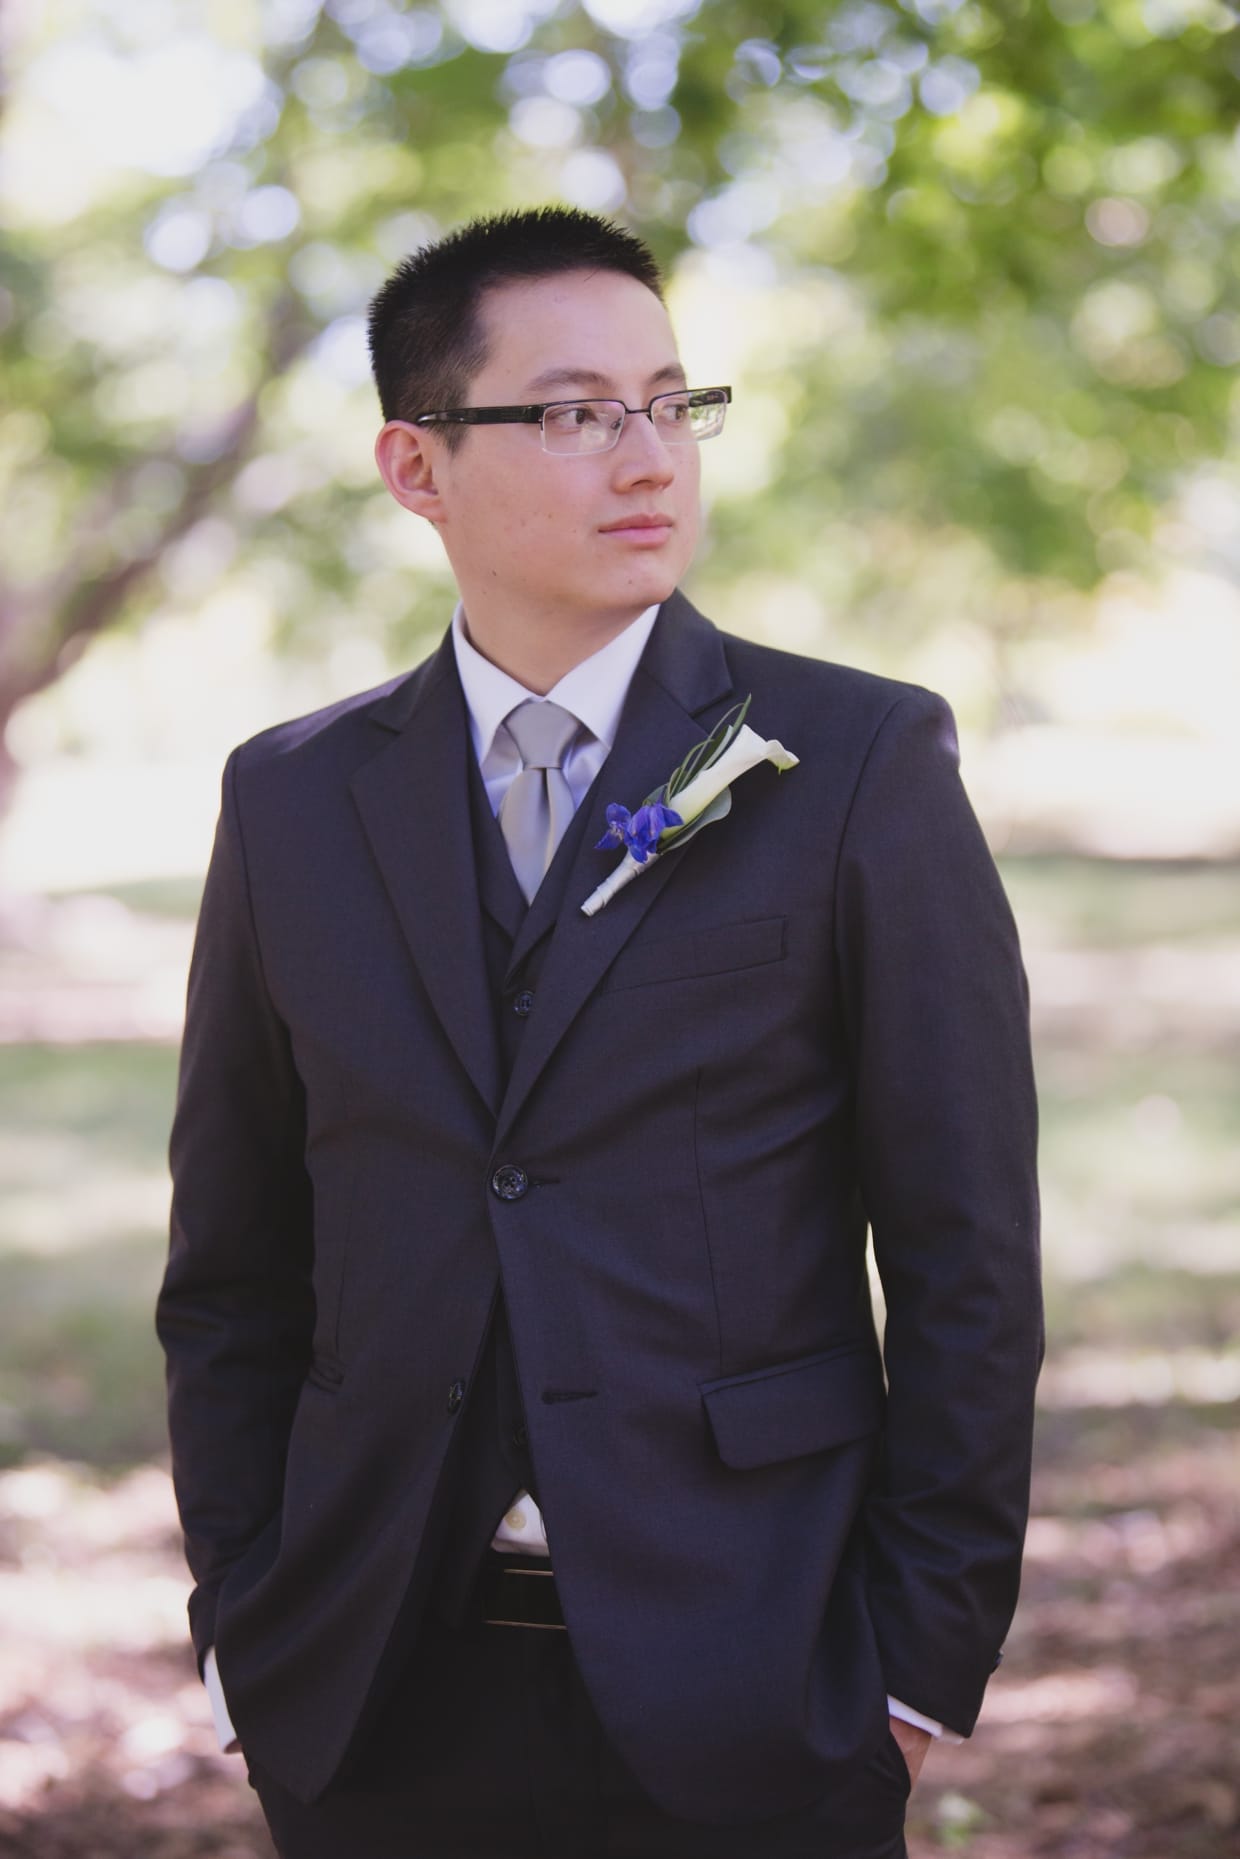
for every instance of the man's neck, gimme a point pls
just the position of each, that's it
(539, 655)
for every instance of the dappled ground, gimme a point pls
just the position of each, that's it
(106, 1745)
(1113, 1727)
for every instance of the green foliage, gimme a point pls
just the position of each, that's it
(996, 243)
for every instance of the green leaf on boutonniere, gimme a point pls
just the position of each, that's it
(700, 757)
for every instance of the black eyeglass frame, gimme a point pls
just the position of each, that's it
(533, 415)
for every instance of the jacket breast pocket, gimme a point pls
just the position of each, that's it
(717, 950)
(808, 1405)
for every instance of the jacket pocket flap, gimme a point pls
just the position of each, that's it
(804, 1406)
(715, 950)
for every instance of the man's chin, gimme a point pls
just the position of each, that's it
(653, 587)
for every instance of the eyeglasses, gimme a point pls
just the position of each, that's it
(572, 427)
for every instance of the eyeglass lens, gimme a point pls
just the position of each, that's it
(594, 425)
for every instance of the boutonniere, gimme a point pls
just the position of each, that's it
(699, 788)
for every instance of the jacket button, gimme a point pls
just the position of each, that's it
(520, 1438)
(456, 1394)
(523, 1002)
(509, 1182)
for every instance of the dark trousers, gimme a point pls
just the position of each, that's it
(490, 1748)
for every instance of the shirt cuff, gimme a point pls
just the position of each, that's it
(907, 1714)
(219, 1709)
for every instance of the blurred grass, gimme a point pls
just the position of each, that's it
(83, 1376)
(1140, 1164)
(1103, 903)
(81, 1250)
(154, 897)
(110, 1100)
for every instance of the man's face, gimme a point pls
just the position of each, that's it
(566, 534)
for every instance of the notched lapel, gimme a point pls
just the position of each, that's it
(681, 675)
(413, 797)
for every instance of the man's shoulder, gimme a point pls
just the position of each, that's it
(333, 731)
(822, 688)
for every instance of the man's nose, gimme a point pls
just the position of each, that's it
(641, 453)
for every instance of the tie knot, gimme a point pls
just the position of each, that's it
(542, 732)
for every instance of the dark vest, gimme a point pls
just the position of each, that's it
(491, 1453)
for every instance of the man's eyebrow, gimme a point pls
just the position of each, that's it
(671, 374)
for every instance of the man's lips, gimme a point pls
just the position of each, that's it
(649, 527)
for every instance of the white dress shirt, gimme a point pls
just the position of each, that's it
(594, 691)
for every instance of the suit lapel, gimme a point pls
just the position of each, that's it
(682, 674)
(413, 798)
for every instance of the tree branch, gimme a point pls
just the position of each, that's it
(56, 621)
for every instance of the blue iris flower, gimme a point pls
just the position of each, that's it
(638, 831)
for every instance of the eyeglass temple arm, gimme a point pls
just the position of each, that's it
(480, 416)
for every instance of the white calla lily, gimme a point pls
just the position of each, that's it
(744, 752)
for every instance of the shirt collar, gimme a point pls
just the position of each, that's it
(594, 690)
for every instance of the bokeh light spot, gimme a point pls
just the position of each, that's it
(577, 77)
(264, 217)
(541, 122)
(179, 237)
(593, 179)
(1117, 222)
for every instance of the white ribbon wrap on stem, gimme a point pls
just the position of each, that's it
(627, 869)
(745, 751)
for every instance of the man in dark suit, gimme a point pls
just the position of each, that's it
(542, 1484)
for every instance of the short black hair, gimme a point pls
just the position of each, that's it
(425, 325)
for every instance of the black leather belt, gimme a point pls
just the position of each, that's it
(520, 1593)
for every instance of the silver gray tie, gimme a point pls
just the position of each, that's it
(538, 806)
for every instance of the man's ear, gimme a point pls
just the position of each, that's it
(405, 455)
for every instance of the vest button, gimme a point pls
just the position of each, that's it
(456, 1394)
(509, 1182)
(523, 1002)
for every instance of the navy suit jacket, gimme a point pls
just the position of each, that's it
(810, 1019)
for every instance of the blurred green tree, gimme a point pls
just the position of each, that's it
(993, 244)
